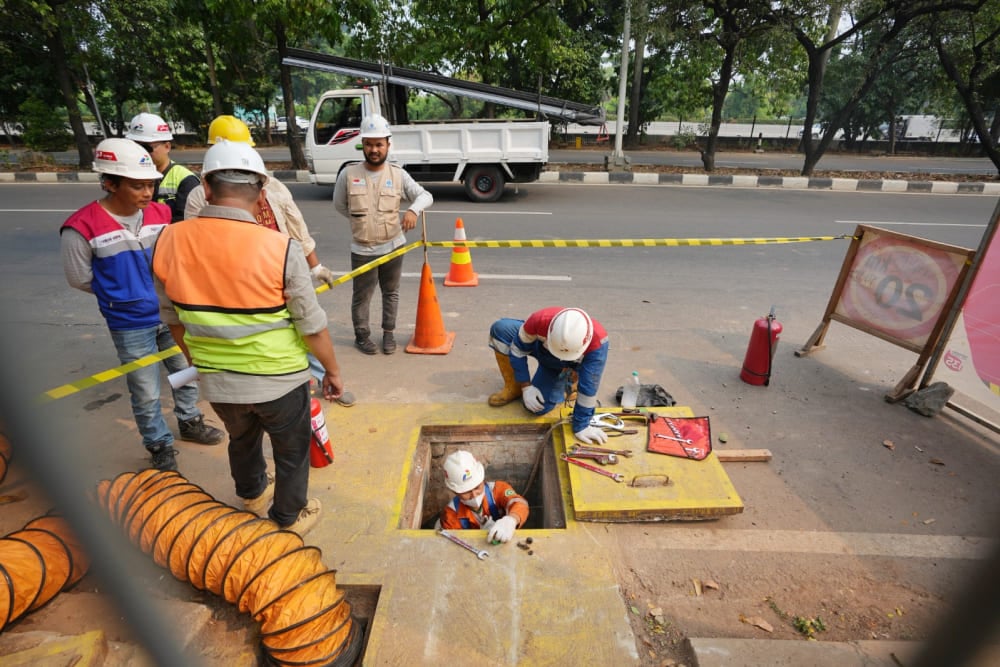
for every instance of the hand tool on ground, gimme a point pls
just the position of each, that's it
(686, 441)
(481, 554)
(598, 450)
(618, 477)
(601, 457)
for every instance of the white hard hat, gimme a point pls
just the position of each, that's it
(148, 127)
(122, 157)
(375, 127)
(570, 332)
(462, 472)
(234, 162)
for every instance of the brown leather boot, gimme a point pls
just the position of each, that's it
(574, 380)
(511, 389)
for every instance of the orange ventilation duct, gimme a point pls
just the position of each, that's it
(5, 453)
(251, 562)
(36, 563)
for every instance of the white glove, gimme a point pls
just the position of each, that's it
(503, 530)
(322, 274)
(532, 397)
(592, 436)
(489, 524)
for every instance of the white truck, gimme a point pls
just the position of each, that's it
(482, 154)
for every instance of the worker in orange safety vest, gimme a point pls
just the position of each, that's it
(494, 506)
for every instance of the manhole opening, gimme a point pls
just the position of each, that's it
(364, 600)
(510, 452)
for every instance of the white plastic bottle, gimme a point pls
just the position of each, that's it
(630, 392)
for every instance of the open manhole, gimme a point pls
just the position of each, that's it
(519, 454)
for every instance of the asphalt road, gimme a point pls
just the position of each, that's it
(680, 316)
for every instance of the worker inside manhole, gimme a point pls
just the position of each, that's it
(493, 506)
(522, 459)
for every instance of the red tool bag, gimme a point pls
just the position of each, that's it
(686, 437)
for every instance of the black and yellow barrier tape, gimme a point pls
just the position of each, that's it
(108, 375)
(124, 369)
(630, 243)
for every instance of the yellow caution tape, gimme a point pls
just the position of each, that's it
(110, 374)
(628, 243)
(113, 373)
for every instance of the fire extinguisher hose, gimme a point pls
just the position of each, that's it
(264, 570)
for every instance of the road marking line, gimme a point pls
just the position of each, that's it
(893, 545)
(889, 223)
(478, 211)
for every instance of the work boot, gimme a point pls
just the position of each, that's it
(388, 342)
(346, 399)
(511, 389)
(260, 504)
(571, 386)
(366, 345)
(308, 516)
(196, 430)
(162, 457)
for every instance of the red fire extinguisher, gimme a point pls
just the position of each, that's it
(320, 449)
(760, 351)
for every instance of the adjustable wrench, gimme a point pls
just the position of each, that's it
(592, 449)
(618, 477)
(481, 554)
(600, 457)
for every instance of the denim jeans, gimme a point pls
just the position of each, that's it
(286, 421)
(144, 383)
(387, 277)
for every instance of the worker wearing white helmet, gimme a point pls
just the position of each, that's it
(153, 134)
(277, 211)
(240, 302)
(494, 506)
(105, 251)
(368, 194)
(564, 341)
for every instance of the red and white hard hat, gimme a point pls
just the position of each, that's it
(147, 127)
(462, 472)
(122, 157)
(570, 333)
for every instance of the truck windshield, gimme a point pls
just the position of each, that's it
(338, 120)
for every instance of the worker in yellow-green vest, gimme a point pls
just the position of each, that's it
(239, 301)
(153, 133)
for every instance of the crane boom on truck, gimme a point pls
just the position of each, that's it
(483, 154)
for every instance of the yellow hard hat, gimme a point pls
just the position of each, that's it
(229, 128)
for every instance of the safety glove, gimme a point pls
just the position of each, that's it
(592, 436)
(322, 274)
(503, 529)
(532, 397)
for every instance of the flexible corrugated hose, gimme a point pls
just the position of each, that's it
(36, 563)
(305, 620)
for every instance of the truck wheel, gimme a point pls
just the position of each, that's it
(484, 183)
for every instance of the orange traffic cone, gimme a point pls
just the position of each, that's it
(429, 337)
(461, 274)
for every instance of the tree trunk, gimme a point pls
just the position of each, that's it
(285, 75)
(635, 99)
(83, 147)
(719, 91)
(817, 72)
(966, 91)
(213, 79)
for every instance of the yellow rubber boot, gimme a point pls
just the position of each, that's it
(511, 389)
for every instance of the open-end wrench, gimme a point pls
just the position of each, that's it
(686, 441)
(618, 477)
(600, 457)
(599, 450)
(481, 554)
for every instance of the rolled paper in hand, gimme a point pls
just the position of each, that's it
(181, 378)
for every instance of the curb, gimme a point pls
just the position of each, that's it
(628, 178)
(777, 182)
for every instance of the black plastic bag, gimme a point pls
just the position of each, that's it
(650, 395)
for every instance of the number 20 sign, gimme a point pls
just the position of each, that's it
(897, 286)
